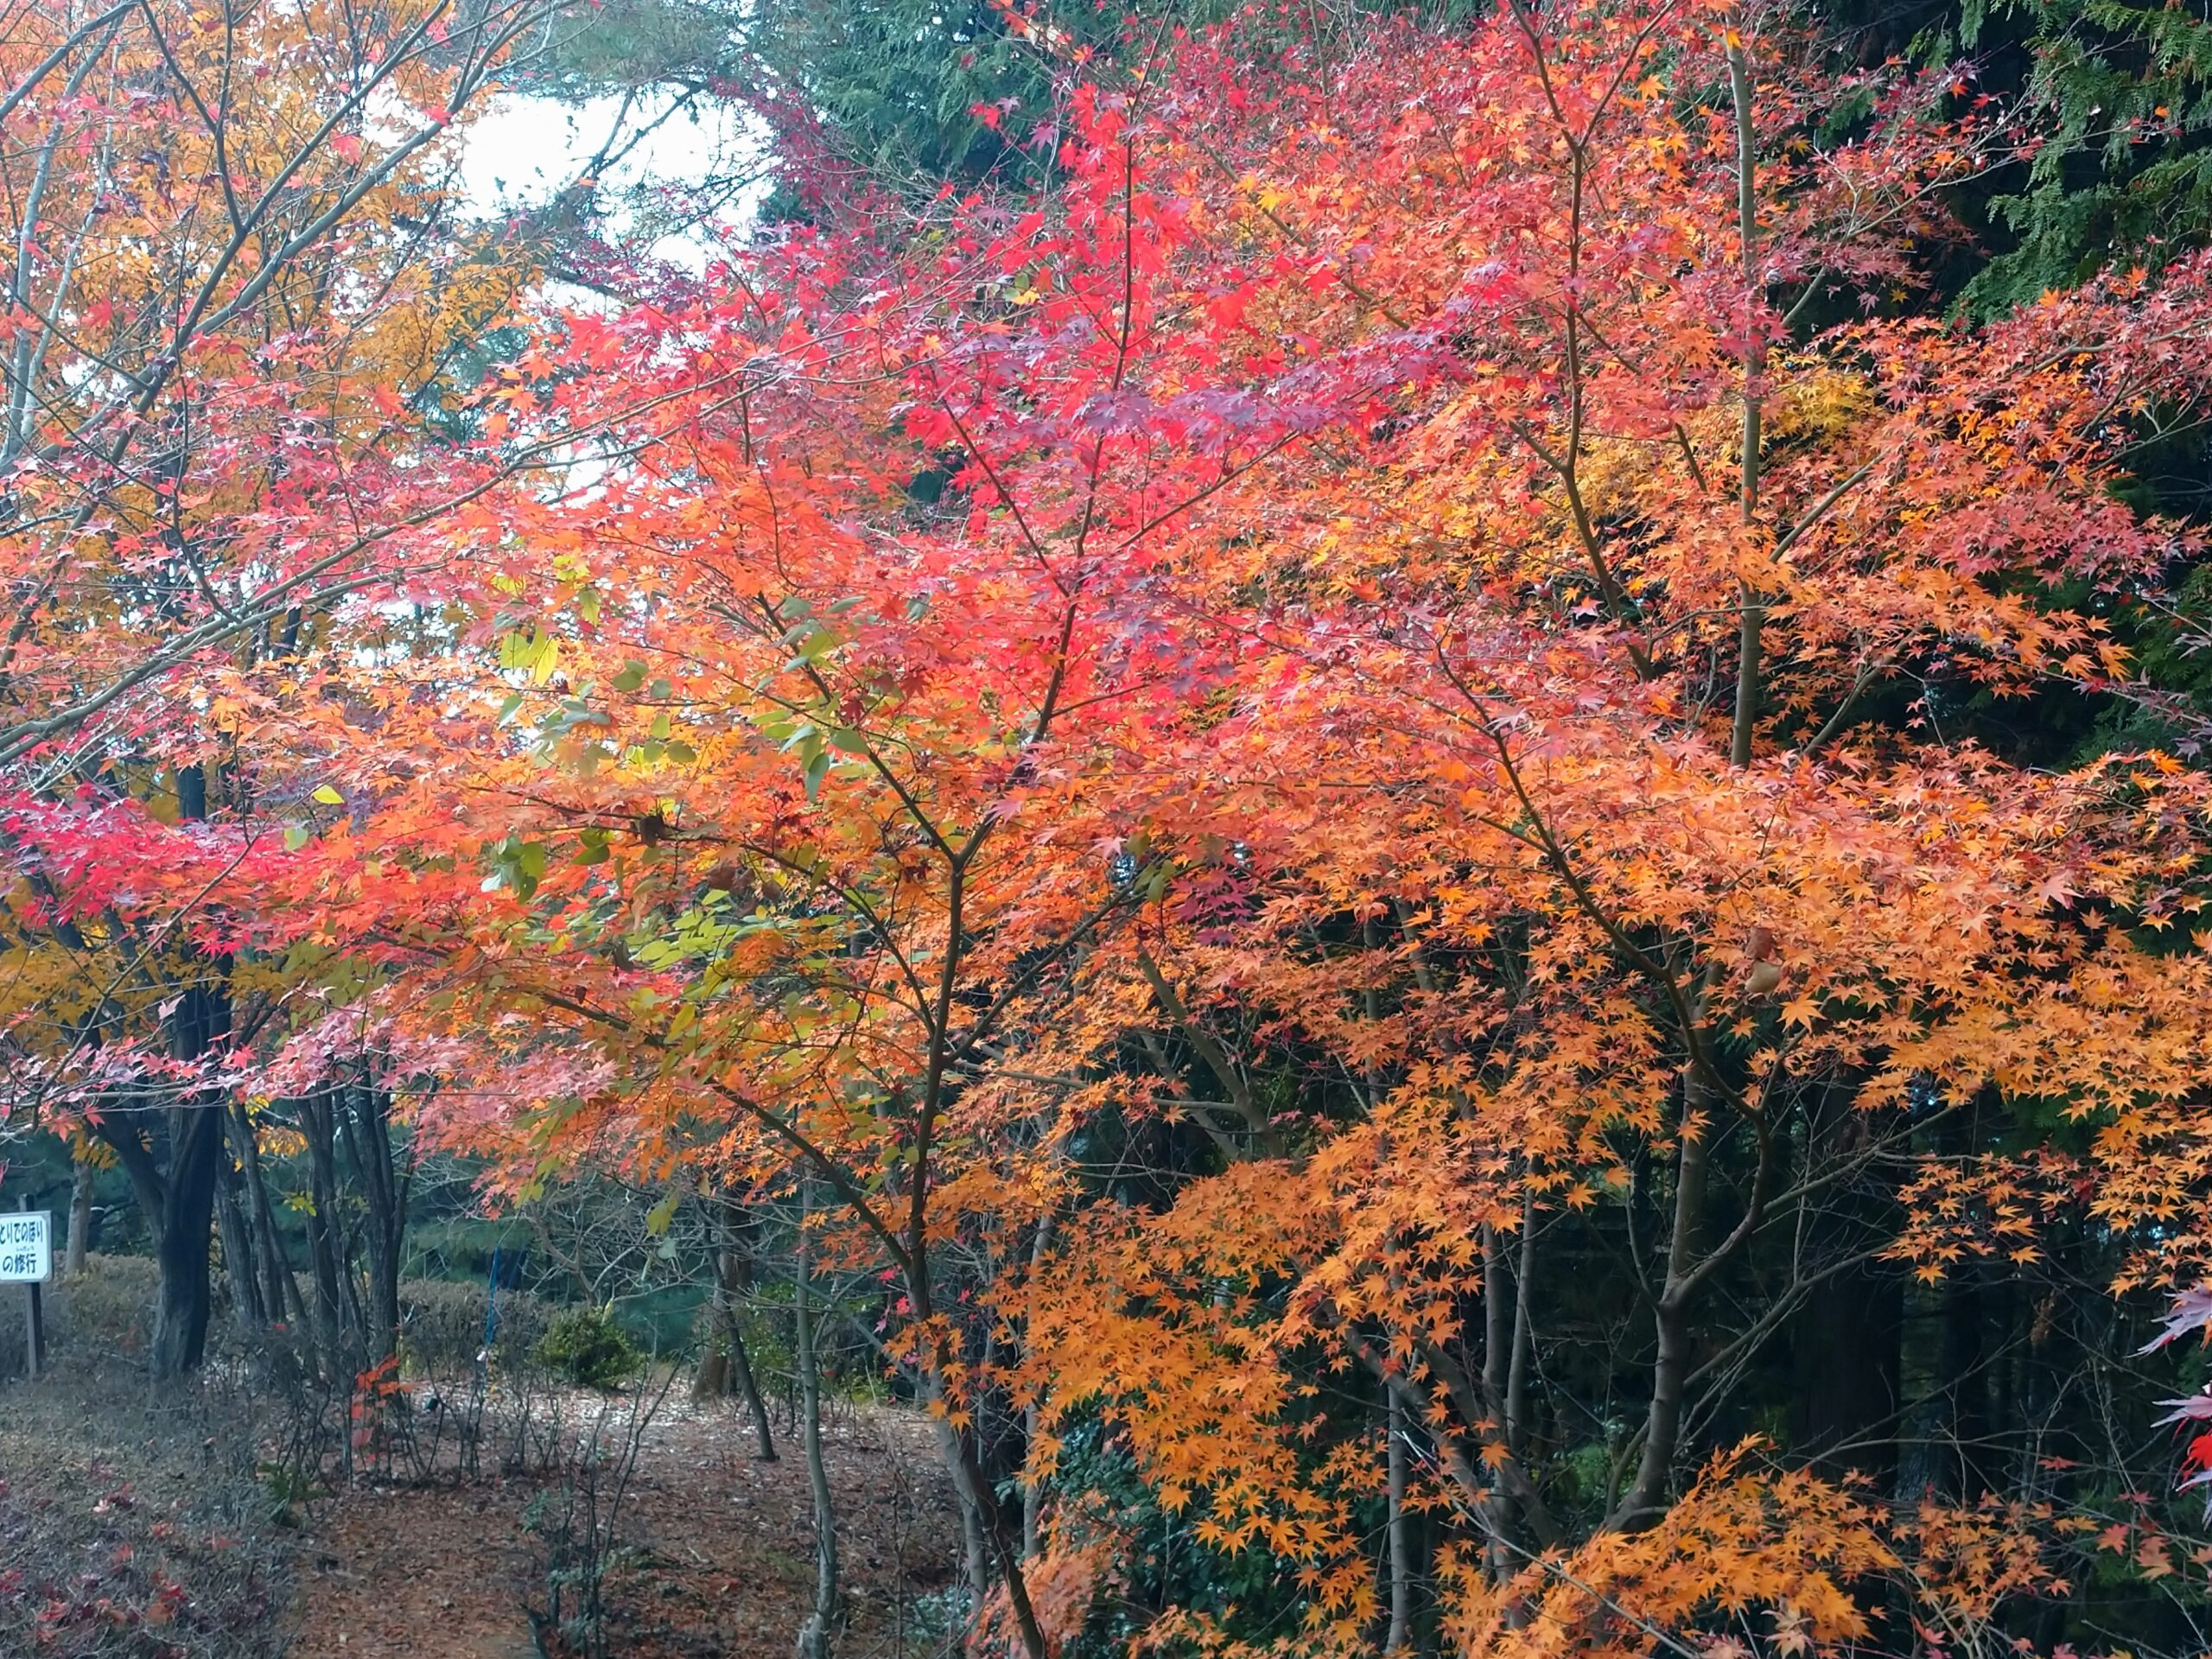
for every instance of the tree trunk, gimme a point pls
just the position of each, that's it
(80, 1217)
(1845, 1345)
(727, 1362)
(817, 1637)
(198, 1022)
(1751, 621)
(1402, 1567)
(1032, 1490)
(238, 1253)
(1965, 1364)
(1497, 1347)
(280, 1292)
(181, 1247)
(1670, 1317)
(976, 1549)
(323, 1261)
(384, 1190)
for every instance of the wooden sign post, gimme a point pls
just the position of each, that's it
(27, 1259)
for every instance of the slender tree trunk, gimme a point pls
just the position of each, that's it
(1670, 1322)
(198, 1022)
(1964, 1359)
(1752, 622)
(237, 1254)
(282, 1291)
(324, 1265)
(1844, 1346)
(1402, 1565)
(817, 1637)
(1498, 1346)
(749, 1390)
(1670, 1317)
(1032, 1490)
(384, 1190)
(726, 1361)
(976, 1549)
(1524, 1335)
(80, 1217)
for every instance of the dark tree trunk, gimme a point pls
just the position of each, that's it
(181, 1245)
(238, 1253)
(383, 1189)
(1846, 1348)
(1964, 1361)
(1948, 1359)
(200, 1022)
(1845, 1355)
(280, 1291)
(177, 1192)
(325, 1264)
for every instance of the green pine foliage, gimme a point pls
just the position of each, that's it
(2122, 94)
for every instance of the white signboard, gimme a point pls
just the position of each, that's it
(26, 1247)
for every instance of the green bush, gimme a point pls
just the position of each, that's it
(587, 1347)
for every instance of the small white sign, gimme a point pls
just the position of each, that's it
(26, 1247)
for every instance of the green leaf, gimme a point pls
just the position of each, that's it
(328, 796)
(632, 677)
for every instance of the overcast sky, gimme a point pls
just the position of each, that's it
(523, 149)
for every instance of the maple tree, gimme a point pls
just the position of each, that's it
(1329, 785)
(233, 289)
(1360, 609)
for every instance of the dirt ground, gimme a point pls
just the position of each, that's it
(720, 1559)
(126, 1530)
(142, 1525)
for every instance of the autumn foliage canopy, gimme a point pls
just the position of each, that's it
(1338, 783)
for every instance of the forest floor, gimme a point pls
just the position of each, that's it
(138, 1526)
(716, 1551)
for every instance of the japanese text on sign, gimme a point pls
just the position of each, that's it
(26, 1249)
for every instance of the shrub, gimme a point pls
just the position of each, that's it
(441, 1326)
(107, 1309)
(586, 1346)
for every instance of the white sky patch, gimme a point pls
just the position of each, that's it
(524, 150)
